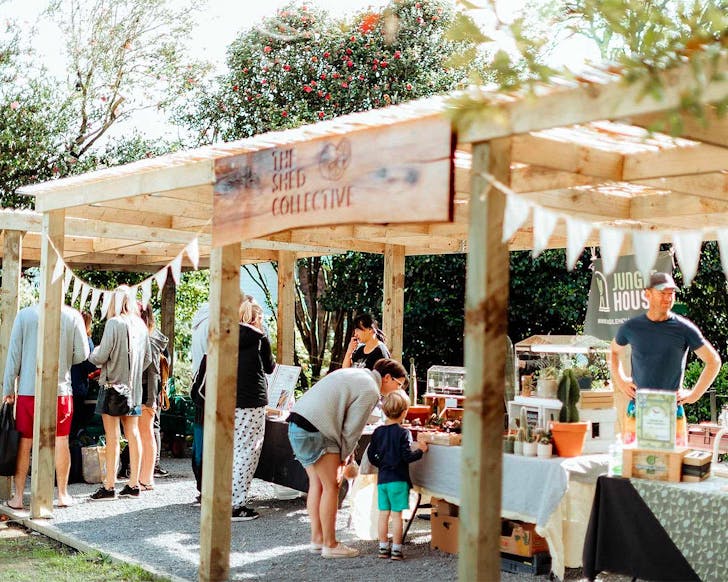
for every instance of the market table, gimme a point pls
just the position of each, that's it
(657, 530)
(556, 494)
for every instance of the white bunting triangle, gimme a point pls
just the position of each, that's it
(67, 281)
(118, 301)
(544, 222)
(132, 294)
(646, 246)
(57, 270)
(610, 243)
(95, 296)
(193, 251)
(577, 231)
(108, 296)
(516, 213)
(160, 277)
(85, 290)
(76, 289)
(146, 292)
(176, 267)
(687, 246)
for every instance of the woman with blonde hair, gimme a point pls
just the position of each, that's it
(123, 355)
(255, 360)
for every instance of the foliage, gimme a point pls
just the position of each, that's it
(700, 410)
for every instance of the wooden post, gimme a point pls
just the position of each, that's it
(166, 325)
(286, 306)
(486, 302)
(9, 296)
(46, 383)
(222, 372)
(393, 300)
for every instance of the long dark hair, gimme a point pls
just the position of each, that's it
(366, 321)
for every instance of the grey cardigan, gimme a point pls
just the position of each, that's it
(340, 403)
(111, 353)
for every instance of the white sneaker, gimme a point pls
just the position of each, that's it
(315, 548)
(339, 551)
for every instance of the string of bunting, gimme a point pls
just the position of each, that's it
(645, 243)
(83, 290)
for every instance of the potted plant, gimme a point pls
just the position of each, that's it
(508, 442)
(530, 446)
(583, 378)
(545, 446)
(569, 434)
(547, 382)
(520, 438)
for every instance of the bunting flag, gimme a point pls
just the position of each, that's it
(66, 279)
(543, 225)
(132, 294)
(577, 233)
(106, 303)
(610, 243)
(146, 286)
(58, 269)
(160, 277)
(646, 245)
(516, 213)
(687, 247)
(76, 289)
(176, 267)
(85, 290)
(193, 252)
(95, 296)
(118, 301)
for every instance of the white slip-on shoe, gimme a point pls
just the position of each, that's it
(339, 551)
(315, 548)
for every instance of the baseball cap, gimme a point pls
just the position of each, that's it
(661, 281)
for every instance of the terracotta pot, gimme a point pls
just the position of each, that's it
(569, 437)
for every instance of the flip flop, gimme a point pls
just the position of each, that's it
(7, 504)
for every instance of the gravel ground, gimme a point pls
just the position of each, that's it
(161, 529)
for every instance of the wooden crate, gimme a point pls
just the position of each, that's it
(447, 439)
(653, 464)
(596, 399)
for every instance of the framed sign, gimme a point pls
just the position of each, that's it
(282, 385)
(383, 174)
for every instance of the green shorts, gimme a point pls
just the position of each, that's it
(393, 496)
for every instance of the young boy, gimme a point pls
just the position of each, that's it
(391, 451)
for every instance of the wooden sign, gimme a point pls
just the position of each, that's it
(390, 174)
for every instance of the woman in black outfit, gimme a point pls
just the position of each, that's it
(255, 359)
(366, 345)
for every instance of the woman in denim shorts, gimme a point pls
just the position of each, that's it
(324, 428)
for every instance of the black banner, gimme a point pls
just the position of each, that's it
(614, 298)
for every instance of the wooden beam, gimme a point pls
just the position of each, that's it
(710, 185)
(115, 215)
(393, 300)
(713, 131)
(286, 307)
(222, 372)
(602, 96)
(586, 203)
(166, 325)
(668, 205)
(569, 156)
(9, 298)
(690, 158)
(486, 322)
(46, 391)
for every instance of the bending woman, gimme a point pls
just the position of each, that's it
(366, 345)
(123, 355)
(324, 428)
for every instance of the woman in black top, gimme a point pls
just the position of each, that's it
(366, 345)
(255, 359)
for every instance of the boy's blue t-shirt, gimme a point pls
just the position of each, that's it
(659, 349)
(390, 451)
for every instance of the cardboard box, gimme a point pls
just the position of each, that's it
(696, 466)
(520, 538)
(447, 439)
(445, 524)
(654, 464)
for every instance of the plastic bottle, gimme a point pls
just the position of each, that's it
(615, 457)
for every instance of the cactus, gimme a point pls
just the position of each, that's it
(524, 429)
(569, 394)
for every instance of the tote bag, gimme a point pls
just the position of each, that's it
(9, 439)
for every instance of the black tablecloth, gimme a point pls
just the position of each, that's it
(625, 537)
(277, 463)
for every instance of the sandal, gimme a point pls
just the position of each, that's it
(145, 487)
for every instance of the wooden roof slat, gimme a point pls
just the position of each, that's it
(695, 158)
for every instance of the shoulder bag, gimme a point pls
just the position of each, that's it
(9, 439)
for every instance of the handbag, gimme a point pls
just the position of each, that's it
(118, 397)
(9, 439)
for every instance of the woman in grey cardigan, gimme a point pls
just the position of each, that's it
(123, 355)
(324, 427)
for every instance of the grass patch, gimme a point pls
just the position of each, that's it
(36, 557)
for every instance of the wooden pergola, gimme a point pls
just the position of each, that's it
(578, 148)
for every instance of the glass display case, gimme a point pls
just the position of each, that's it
(446, 380)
